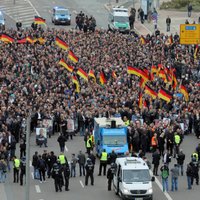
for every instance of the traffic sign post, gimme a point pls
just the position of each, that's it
(190, 34)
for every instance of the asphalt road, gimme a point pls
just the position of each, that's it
(45, 191)
(44, 8)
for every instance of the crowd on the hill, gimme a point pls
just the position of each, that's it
(32, 82)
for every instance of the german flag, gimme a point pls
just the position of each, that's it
(91, 74)
(196, 51)
(137, 72)
(62, 44)
(114, 75)
(72, 57)
(154, 69)
(6, 38)
(82, 74)
(142, 83)
(41, 40)
(65, 65)
(39, 20)
(133, 70)
(140, 104)
(150, 92)
(144, 74)
(21, 41)
(142, 40)
(75, 81)
(174, 81)
(102, 78)
(162, 75)
(184, 91)
(145, 104)
(30, 39)
(165, 95)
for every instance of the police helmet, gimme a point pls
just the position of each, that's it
(112, 165)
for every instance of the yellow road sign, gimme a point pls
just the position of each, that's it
(190, 34)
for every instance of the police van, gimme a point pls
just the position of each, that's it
(132, 179)
(118, 20)
(61, 15)
(2, 20)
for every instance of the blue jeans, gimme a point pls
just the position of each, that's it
(82, 130)
(2, 176)
(36, 173)
(189, 180)
(174, 183)
(181, 167)
(165, 184)
(73, 171)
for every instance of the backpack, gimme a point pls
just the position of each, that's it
(164, 174)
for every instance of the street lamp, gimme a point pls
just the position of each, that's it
(27, 187)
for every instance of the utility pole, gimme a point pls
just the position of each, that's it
(28, 129)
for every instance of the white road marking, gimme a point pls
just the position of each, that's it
(160, 186)
(81, 184)
(66, 149)
(33, 8)
(37, 188)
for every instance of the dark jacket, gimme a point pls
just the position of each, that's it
(156, 158)
(180, 158)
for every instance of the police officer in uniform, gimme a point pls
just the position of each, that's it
(195, 168)
(16, 166)
(57, 176)
(89, 167)
(88, 144)
(66, 172)
(103, 162)
(22, 169)
(110, 174)
(177, 141)
(62, 159)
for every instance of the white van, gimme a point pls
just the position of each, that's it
(132, 179)
(118, 20)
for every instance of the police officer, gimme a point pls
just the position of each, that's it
(110, 174)
(62, 159)
(89, 167)
(16, 166)
(195, 168)
(88, 144)
(177, 141)
(57, 176)
(22, 169)
(103, 162)
(66, 172)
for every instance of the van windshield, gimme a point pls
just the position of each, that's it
(121, 19)
(61, 12)
(136, 175)
(114, 140)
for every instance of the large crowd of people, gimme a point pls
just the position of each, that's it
(33, 83)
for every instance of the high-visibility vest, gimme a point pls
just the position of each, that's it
(16, 163)
(177, 139)
(88, 143)
(104, 156)
(127, 123)
(92, 138)
(195, 155)
(153, 141)
(62, 159)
